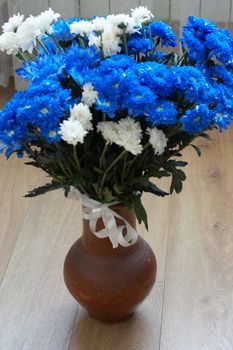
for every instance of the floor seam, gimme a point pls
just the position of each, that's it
(19, 232)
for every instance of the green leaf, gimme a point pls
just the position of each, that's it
(140, 211)
(178, 176)
(143, 184)
(98, 171)
(43, 189)
(178, 163)
(206, 136)
(197, 149)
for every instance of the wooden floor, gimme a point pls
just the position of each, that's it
(191, 306)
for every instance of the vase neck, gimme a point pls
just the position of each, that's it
(104, 245)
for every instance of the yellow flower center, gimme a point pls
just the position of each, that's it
(44, 110)
(52, 133)
(10, 133)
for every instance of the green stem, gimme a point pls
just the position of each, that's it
(103, 154)
(40, 42)
(56, 43)
(151, 39)
(82, 42)
(124, 167)
(174, 130)
(76, 158)
(182, 57)
(62, 165)
(111, 166)
(143, 30)
(22, 56)
(125, 44)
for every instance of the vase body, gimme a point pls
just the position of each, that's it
(109, 283)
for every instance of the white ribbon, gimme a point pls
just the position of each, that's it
(94, 210)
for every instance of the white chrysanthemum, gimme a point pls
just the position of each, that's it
(9, 43)
(99, 24)
(27, 34)
(89, 95)
(125, 20)
(94, 40)
(158, 140)
(81, 28)
(82, 113)
(72, 132)
(108, 131)
(126, 133)
(141, 14)
(111, 40)
(46, 19)
(129, 135)
(119, 19)
(13, 23)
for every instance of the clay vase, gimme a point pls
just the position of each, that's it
(109, 283)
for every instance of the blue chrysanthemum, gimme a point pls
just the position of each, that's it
(138, 43)
(164, 32)
(80, 62)
(47, 66)
(61, 30)
(197, 119)
(163, 113)
(155, 76)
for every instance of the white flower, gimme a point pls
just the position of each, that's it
(94, 40)
(13, 23)
(81, 28)
(27, 34)
(89, 95)
(125, 20)
(158, 140)
(46, 19)
(126, 133)
(9, 43)
(141, 14)
(129, 135)
(111, 40)
(98, 24)
(108, 131)
(121, 18)
(72, 132)
(81, 112)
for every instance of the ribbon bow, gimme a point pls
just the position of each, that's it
(94, 210)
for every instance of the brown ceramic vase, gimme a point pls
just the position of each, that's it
(109, 283)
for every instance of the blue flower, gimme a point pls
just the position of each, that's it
(197, 119)
(191, 84)
(138, 43)
(42, 106)
(119, 61)
(220, 46)
(138, 100)
(61, 30)
(196, 49)
(47, 66)
(205, 41)
(164, 112)
(200, 27)
(155, 76)
(222, 120)
(80, 62)
(164, 32)
(106, 106)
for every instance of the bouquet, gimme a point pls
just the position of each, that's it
(110, 104)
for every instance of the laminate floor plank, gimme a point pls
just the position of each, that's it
(36, 310)
(198, 299)
(15, 180)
